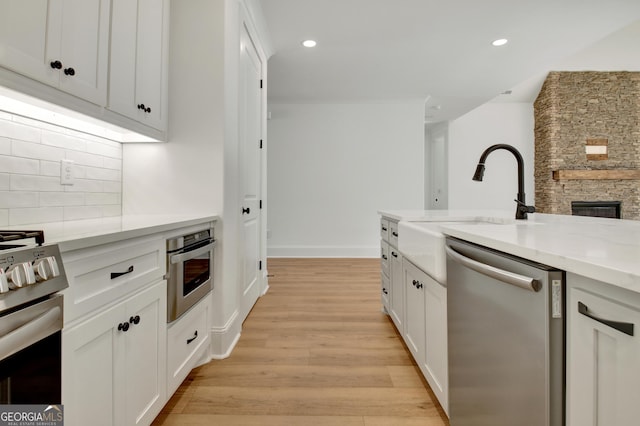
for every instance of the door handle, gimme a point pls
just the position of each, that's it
(246, 210)
(623, 327)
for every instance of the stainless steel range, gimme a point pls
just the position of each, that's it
(31, 275)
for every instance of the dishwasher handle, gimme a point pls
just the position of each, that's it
(524, 282)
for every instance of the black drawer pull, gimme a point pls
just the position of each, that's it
(119, 274)
(395, 234)
(195, 336)
(623, 327)
(394, 254)
(384, 229)
(384, 256)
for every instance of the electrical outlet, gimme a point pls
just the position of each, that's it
(66, 172)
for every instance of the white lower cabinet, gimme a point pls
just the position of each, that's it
(396, 283)
(414, 330)
(187, 342)
(386, 292)
(114, 364)
(417, 305)
(436, 364)
(603, 368)
(425, 328)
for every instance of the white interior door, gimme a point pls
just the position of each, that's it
(250, 134)
(437, 192)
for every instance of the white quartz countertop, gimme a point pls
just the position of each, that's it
(607, 250)
(78, 234)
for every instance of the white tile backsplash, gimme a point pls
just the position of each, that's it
(30, 189)
(5, 146)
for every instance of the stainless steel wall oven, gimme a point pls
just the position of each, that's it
(31, 314)
(190, 271)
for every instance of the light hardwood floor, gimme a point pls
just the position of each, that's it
(315, 350)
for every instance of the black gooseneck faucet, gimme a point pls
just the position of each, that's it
(522, 208)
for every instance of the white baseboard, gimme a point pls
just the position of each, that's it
(323, 251)
(225, 338)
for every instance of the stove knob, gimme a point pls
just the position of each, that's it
(4, 283)
(20, 275)
(46, 268)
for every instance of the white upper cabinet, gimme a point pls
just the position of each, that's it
(62, 43)
(138, 66)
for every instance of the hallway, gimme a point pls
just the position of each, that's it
(315, 350)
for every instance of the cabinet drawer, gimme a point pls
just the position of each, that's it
(103, 274)
(384, 257)
(188, 340)
(393, 233)
(384, 229)
(386, 290)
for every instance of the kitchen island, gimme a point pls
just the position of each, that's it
(601, 309)
(606, 250)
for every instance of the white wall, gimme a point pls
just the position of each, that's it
(333, 166)
(470, 135)
(30, 189)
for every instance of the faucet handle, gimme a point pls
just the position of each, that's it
(525, 208)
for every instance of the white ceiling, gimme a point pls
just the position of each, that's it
(439, 51)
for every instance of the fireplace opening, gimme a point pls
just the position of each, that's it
(597, 208)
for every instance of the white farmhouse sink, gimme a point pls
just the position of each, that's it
(423, 244)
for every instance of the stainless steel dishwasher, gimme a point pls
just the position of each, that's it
(505, 339)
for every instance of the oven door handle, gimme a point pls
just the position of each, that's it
(181, 257)
(34, 330)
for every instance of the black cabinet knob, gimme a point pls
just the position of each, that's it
(414, 282)
(123, 326)
(135, 320)
(418, 285)
(56, 65)
(246, 210)
(69, 71)
(144, 108)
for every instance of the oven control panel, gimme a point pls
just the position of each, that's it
(28, 273)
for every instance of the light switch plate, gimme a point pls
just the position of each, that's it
(66, 172)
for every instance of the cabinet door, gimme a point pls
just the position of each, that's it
(75, 33)
(30, 38)
(84, 44)
(138, 60)
(92, 356)
(397, 288)
(384, 281)
(436, 363)
(602, 364)
(414, 326)
(145, 355)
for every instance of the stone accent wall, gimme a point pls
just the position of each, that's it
(571, 108)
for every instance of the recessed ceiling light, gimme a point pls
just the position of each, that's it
(500, 42)
(309, 43)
